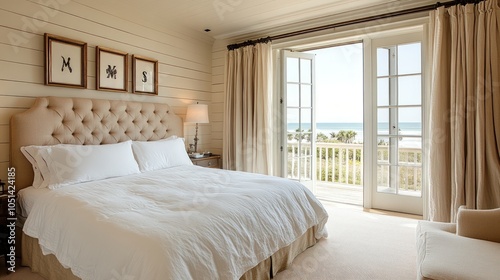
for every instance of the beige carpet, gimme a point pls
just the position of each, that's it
(373, 245)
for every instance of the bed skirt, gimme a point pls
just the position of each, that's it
(49, 267)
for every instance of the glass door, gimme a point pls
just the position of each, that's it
(398, 109)
(298, 102)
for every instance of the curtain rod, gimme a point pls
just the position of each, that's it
(350, 22)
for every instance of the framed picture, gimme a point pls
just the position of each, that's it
(145, 76)
(111, 69)
(65, 62)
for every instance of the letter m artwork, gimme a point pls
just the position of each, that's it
(66, 64)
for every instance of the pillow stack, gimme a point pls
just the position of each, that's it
(61, 165)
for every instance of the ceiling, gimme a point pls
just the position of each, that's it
(233, 18)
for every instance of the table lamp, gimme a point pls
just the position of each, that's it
(197, 113)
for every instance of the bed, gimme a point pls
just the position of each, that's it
(130, 205)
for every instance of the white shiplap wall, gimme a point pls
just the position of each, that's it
(185, 60)
(218, 95)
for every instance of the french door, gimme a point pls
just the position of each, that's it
(397, 149)
(299, 152)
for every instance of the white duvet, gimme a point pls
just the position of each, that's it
(184, 222)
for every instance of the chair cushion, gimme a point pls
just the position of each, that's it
(479, 224)
(442, 254)
(449, 256)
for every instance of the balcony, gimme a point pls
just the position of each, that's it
(339, 170)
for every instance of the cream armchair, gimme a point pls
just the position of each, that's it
(469, 249)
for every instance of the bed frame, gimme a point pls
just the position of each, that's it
(56, 120)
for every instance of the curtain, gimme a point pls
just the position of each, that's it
(247, 125)
(464, 148)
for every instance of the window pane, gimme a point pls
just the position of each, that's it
(382, 62)
(383, 179)
(292, 69)
(410, 181)
(383, 121)
(410, 151)
(410, 90)
(305, 119)
(383, 91)
(305, 71)
(410, 128)
(292, 95)
(292, 119)
(305, 169)
(409, 59)
(306, 95)
(383, 150)
(410, 121)
(293, 163)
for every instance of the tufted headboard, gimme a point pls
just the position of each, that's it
(56, 120)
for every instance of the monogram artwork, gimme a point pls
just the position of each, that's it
(145, 75)
(66, 64)
(111, 72)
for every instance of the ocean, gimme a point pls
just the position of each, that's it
(406, 128)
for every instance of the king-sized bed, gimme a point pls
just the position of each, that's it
(107, 191)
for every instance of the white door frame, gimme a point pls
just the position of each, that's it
(284, 102)
(388, 201)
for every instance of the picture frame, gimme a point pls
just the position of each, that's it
(145, 75)
(65, 62)
(111, 69)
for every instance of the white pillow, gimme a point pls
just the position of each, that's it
(29, 153)
(71, 164)
(154, 155)
(40, 168)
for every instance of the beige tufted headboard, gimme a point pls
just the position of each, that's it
(56, 120)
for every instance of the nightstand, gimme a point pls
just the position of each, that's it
(212, 161)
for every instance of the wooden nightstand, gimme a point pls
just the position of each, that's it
(212, 161)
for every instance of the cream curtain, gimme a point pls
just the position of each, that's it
(464, 155)
(247, 124)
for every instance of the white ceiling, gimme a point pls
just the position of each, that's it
(232, 18)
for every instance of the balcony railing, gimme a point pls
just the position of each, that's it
(341, 163)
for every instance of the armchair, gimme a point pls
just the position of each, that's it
(468, 249)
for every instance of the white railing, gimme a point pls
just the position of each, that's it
(342, 163)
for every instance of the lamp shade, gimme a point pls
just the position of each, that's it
(197, 113)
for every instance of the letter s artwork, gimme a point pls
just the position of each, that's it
(144, 76)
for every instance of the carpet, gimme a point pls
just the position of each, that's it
(375, 245)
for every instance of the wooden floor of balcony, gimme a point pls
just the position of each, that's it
(350, 194)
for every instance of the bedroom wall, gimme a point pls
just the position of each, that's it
(217, 107)
(185, 60)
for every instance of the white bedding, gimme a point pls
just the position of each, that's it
(184, 222)
(27, 197)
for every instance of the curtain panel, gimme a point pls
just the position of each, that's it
(464, 142)
(247, 125)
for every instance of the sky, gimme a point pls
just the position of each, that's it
(339, 83)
